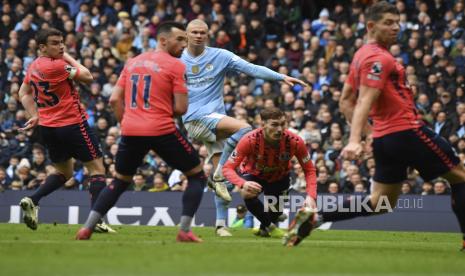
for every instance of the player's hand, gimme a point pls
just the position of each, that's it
(310, 202)
(252, 188)
(352, 151)
(293, 81)
(31, 123)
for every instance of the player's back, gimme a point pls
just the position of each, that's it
(394, 110)
(149, 81)
(54, 93)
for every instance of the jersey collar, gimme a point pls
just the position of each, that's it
(199, 56)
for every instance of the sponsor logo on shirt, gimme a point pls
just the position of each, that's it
(285, 156)
(266, 169)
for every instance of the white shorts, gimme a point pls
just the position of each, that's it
(204, 130)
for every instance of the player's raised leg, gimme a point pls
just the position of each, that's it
(233, 130)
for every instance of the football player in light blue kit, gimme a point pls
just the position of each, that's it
(206, 119)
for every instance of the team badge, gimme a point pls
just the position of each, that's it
(195, 69)
(209, 67)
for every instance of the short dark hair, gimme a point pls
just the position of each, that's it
(43, 34)
(376, 11)
(271, 113)
(166, 27)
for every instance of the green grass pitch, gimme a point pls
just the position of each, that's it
(142, 250)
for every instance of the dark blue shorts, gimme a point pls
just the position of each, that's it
(420, 148)
(173, 148)
(274, 188)
(78, 141)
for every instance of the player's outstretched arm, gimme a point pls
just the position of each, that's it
(28, 102)
(83, 75)
(262, 72)
(293, 81)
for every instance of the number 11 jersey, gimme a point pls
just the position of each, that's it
(54, 92)
(149, 82)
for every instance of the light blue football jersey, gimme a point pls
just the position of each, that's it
(205, 77)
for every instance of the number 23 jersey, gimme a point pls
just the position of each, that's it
(54, 93)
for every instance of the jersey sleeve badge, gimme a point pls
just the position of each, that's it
(375, 71)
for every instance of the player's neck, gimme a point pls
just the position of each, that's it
(195, 51)
(374, 41)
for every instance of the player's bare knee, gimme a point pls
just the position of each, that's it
(455, 175)
(64, 168)
(383, 203)
(125, 178)
(95, 166)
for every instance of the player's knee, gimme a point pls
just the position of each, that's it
(66, 174)
(455, 175)
(382, 203)
(125, 178)
(241, 132)
(95, 166)
(196, 170)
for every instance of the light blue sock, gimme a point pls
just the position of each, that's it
(221, 211)
(229, 147)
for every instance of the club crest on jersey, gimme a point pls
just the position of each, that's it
(195, 69)
(209, 67)
(285, 156)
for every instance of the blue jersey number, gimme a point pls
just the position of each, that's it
(146, 95)
(44, 85)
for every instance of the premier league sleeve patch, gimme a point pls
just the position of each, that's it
(233, 156)
(71, 70)
(375, 71)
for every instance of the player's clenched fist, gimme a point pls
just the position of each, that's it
(251, 189)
